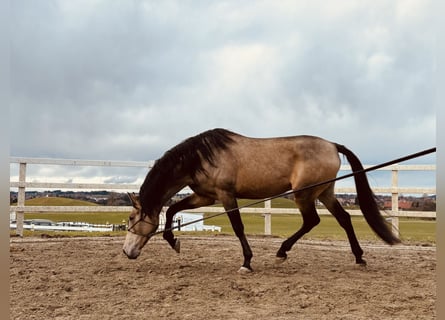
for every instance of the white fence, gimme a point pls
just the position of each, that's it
(64, 227)
(22, 184)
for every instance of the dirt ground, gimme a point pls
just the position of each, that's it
(92, 279)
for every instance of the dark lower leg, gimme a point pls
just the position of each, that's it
(289, 242)
(168, 233)
(344, 220)
(310, 220)
(238, 227)
(247, 252)
(192, 201)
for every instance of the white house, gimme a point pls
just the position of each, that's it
(184, 221)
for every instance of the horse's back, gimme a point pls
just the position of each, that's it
(285, 152)
(262, 167)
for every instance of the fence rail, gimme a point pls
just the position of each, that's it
(22, 184)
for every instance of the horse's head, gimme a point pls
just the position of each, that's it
(141, 228)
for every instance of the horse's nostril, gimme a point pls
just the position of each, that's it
(130, 256)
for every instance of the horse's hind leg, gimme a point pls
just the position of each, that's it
(310, 220)
(344, 220)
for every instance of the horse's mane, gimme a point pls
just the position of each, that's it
(186, 158)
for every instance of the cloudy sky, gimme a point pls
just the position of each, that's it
(127, 80)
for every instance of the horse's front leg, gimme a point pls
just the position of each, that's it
(238, 227)
(231, 205)
(168, 233)
(190, 202)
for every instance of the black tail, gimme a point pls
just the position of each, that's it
(366, 199)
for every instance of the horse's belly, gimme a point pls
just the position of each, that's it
(262, 189)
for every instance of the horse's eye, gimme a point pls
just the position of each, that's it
(131, 218)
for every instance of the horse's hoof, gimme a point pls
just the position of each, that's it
(177, 246)
(280, 260)
(244, 270)
(361, 262)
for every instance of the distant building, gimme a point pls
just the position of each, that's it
(184, 221)
(404, 204)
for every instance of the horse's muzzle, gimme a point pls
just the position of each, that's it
(132, 255)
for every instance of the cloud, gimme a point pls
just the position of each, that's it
(128, 80)
(120, 180)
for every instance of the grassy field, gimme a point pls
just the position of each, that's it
(286, 225)
(415, 230)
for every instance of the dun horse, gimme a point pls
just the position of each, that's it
(222, 165)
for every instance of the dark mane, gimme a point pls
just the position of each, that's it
(186, 158)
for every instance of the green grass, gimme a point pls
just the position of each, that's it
(411, 230)
(90, 217)
(57, 201)
(286, 225)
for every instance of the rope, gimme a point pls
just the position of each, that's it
(372, 168)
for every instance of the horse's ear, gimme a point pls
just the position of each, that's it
(134, 200)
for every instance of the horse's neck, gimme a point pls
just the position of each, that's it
(166, 188)
(169, 191)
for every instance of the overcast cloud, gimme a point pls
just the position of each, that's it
(127, 80)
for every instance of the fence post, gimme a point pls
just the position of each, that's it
(395, 201)
(20, 214)
(267, 218)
